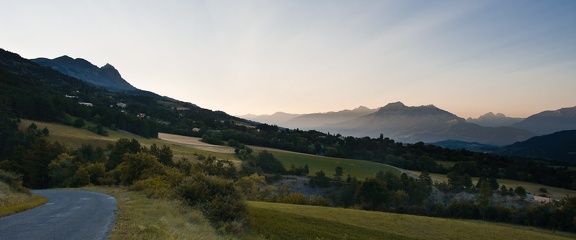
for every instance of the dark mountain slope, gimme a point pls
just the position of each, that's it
(472, 146)
(560, 146)
(106, 76)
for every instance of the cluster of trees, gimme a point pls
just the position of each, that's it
(403, 194)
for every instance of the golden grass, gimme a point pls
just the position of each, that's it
(139, 217)
(13, 202)
(286, 221)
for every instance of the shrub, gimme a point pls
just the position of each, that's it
(13, 180)
(138, 166)
(216, 197)
(80, 178)
(155, 187)
(293, 198)
(318, 201)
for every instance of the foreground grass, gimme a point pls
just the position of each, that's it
(139, 217)
(12, 202)
(19, 202)
(286, 221)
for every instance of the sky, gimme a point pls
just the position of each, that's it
(516, 57)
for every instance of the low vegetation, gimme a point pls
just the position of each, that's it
(141, 217)
(15, 198)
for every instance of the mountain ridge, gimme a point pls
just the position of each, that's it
(106, 76)
(550, 121)
(494, 120)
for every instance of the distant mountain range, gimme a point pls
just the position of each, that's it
(106, 76)
(494, 120)
(406, 124)
(277, 118)
(318, 120)
(309, 121)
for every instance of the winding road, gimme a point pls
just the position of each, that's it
(69, 214)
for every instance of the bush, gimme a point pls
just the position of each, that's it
(13, 180)
(155, 187)
(217, 198)
(138, 166)
(318, 201)
(293, 198)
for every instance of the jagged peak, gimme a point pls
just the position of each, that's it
(64, 57)
(394, 105)
(399, 107)
(108, 65)
(361, 108)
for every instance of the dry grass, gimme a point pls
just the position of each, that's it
(12, 202)
(139, 217)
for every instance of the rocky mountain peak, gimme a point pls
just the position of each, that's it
(106, 76)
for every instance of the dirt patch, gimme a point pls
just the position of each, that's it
(194, 142)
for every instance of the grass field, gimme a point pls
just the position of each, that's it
(358, 168)
(285, 221)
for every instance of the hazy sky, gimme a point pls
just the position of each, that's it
(466, 57)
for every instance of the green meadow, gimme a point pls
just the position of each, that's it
(358, 168)
(286, 221)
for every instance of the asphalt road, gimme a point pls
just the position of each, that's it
(68, 214)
